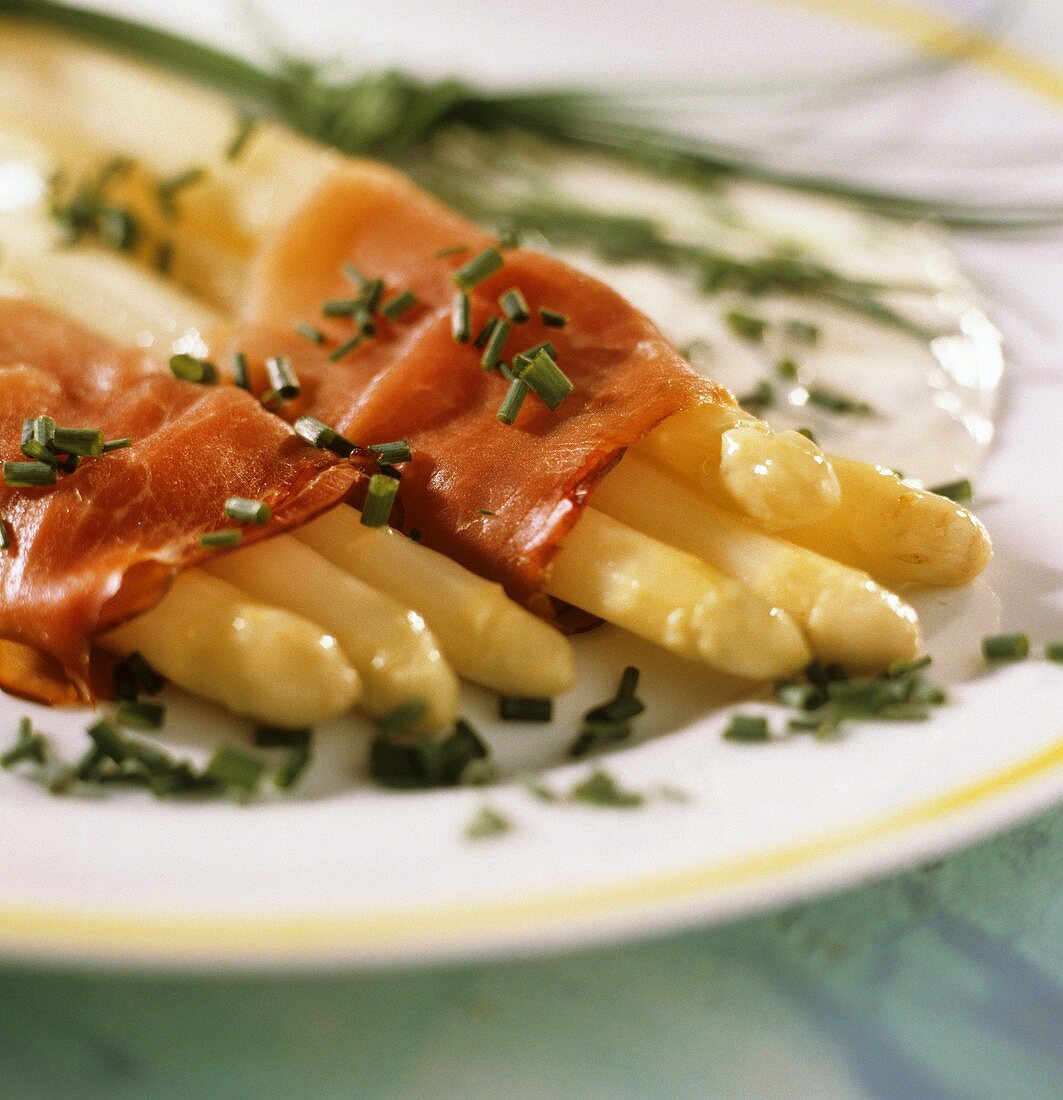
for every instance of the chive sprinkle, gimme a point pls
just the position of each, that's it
(5, 535)
(29, 745)
(485, 333)
(747, 727)
(837, 403)
(495, 345)
(523, 358)
(398, 305)
(460, 317)
(1006, 647)
(479, 268)
(37, 437)
(379, 500)
(787, 368)
(110, 445)
(1054, 652)
(340, 307)
(515, 306)
(485, 512)
(246, 126)
(610, 722)
(345, 349)
(601, 789)
(807, 433)
(552, 318)
(512, 402)
(762, 396)
(139, 715)
(955, 490)
(190, 369)
(546, 379)
(487, 823)
(282, 377)
(234, 769)
(247, 511)
(372, 292)
(402, 716)
(353, 275)
(29, 475)
(134, 674)
(321, 435)
(521, 708)
(745, 326)
(87, 442)
(228, 537)
(453, 250)
(241, 371)
(295, 763)
(310, 332)
(802, 331)
(389, 453)
(166, 191)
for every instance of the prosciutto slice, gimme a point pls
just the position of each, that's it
(104, 543)
(497, 498)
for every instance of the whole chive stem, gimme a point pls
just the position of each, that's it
(479, 268)
(247, 511)
(379, 500)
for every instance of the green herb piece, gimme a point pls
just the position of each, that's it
(484, 335)
(540, 790)
(523, 358)
(747, 727)
(87, 442)
(398, 305)
(512, 402)
(390, 453)
(487, 823)
(139, 715)
(296, 761)
(523, 708)
(241, 371)
(802, 331)
(402, 717)
(29, 745)
(340, 307)
(461, 318)
(134, 674)
(543, 376)
(509, 235)
(552, 318)
(745, 326)
(214, 539)
(786, 368)
(484, 512)
(38, 434)
(310, 332)
(162, 260)
(601, 789)
(495, 344)
(242, 510)
(166, 191)
(234, 769)
(1006, 647)
(609, 723)
(807, 433)
(110, 445)
(479, 268)
(762, 396)
(354, 275)
(372, 292)
(345, 348)
(424, 764)
(5, 535)
(515, 306)
(837, 403)
(282, 378)
(1054, 652)
(29, 475)
(379, 500)
(280, 737)
(319, 434)
(190, 369)
(955, 490)
(246, 124)
(453, 250)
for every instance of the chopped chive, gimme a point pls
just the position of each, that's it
(402, 716)
(345, 349)
(166, 191)
(29, 745)
(321, 435)
(807, 433)
(190, 369)
(508, 235)
(762, 396)
(601, 789)
(1006, 647)
(140, 674)
(512, 402)
(340, 307)
(1054, 651)
(280, 737)
(495, 345)
(899, 669)
(487, 823)
(521, 708)
(372, 292)
(485, 333)
(247, 511)
(747, 727)
(246, 126)
(5, 535)
(379, 500)
(802, 331)
(270, 399)
(140, 716)
(241, 371)
(552, 318)
(745, 326)
(523, 358)
(110, 445)
(453, 250)
(479, 268)
(87, 442)
(291, 770)
(363, 319)
(389, 453)
(282, 377)
(162, 260)
(29, 475)
(485, 512)
(837, 403)
(955, 490)
(118, 228)
(515, 306)
(546, 379)
(234, 769)
(610, 722)
(353, 275)
(460, 317)
(36, 439)
(398, 305)
(228, 537)
(310, 332)
(787, 368)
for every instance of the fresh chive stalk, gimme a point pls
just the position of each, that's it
(241, 371)
(762, 396)
(379, 500)
(601, 789)
(522, 708)
(234, 769)
(1054, 652)
(745, 326)
(310, 332)
(837, 403)
(486, 823)
(345, 349)
(110, 445)
(802, 331)
(86, 442)
(139, 715)
(452, 250)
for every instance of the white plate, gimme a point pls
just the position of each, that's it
(345, 875)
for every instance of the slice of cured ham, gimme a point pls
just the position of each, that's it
(105, 541)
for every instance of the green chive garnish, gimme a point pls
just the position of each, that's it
(495, 345)
(402, 716)
(229, 537)
(247, 511)
(234, 769)
(241, 371)
(372, 292)
(745, 326)
(460, 317)
(29, 475)
(802, 331)
(747, 727)
(190, 369)
(453, 250)
(521, 708)
(340, 307)
(512, 402)
(601, 789)
(310, 332)
(1054, 651)
(1006, 647)
(379, 500)
(282, 378)
(28, 746)
(807, 433)
(321, 435)
(523, 358)
(398, 305)
(390, 453)
(546, 379)
(246, 126)
(786, 368)
(485, 333)
(487, 823)
(87, 442)
(609, 723)
(5, 535)
(837, 403)
(762, 396)
(140, 716)
(110, 445)
(36, 442)
(295, 763)
(162, 260)
(515, 306)
(345, 349)
(479, 268)
(133, 674)
(166, 191)
(485, 512)
(552, 318)
(955, 490)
